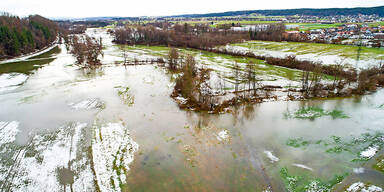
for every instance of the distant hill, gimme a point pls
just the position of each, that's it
(284, 12)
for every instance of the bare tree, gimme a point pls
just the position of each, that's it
(316, 77)
(290, 77)
(125, 55)
(236, 76)
(251, 77)
(173, 58)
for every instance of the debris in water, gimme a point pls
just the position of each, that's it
(271, 156)
(223, 135)
(302, 166)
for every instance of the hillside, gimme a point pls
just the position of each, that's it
(24, 35)
(283, 12)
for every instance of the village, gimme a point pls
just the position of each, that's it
(349, 34)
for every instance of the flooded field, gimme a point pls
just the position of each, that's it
(116, 128)
(325, 53)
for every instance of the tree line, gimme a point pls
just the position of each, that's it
(179, 35)
(24, 35)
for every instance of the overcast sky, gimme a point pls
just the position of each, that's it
(92, 8)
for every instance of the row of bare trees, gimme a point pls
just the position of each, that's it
(197, 36)
(270, 32)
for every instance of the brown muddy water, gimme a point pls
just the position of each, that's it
(116, 128)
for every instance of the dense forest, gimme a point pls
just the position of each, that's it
(24, 35)
(284, 12)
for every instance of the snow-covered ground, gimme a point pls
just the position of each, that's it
(369, 152)
(328, 59)
(91, 103)
(112, 150)
(60, 159)
(8, 131)
(11, 81)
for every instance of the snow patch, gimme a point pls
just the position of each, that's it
(112, 150)
(271, 156)
(11, 81)
(38, 169)
(369, 152)
(181, 100)
(361, 187)
(87, 104)
(223, 135)
(8, 131)
(358, 170)
(315, 186)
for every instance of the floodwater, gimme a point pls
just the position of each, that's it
(116, 128)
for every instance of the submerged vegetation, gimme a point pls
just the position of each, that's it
(126, 95)
(379, 165)
(314, 113)
(361, 148)
(294, 183)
